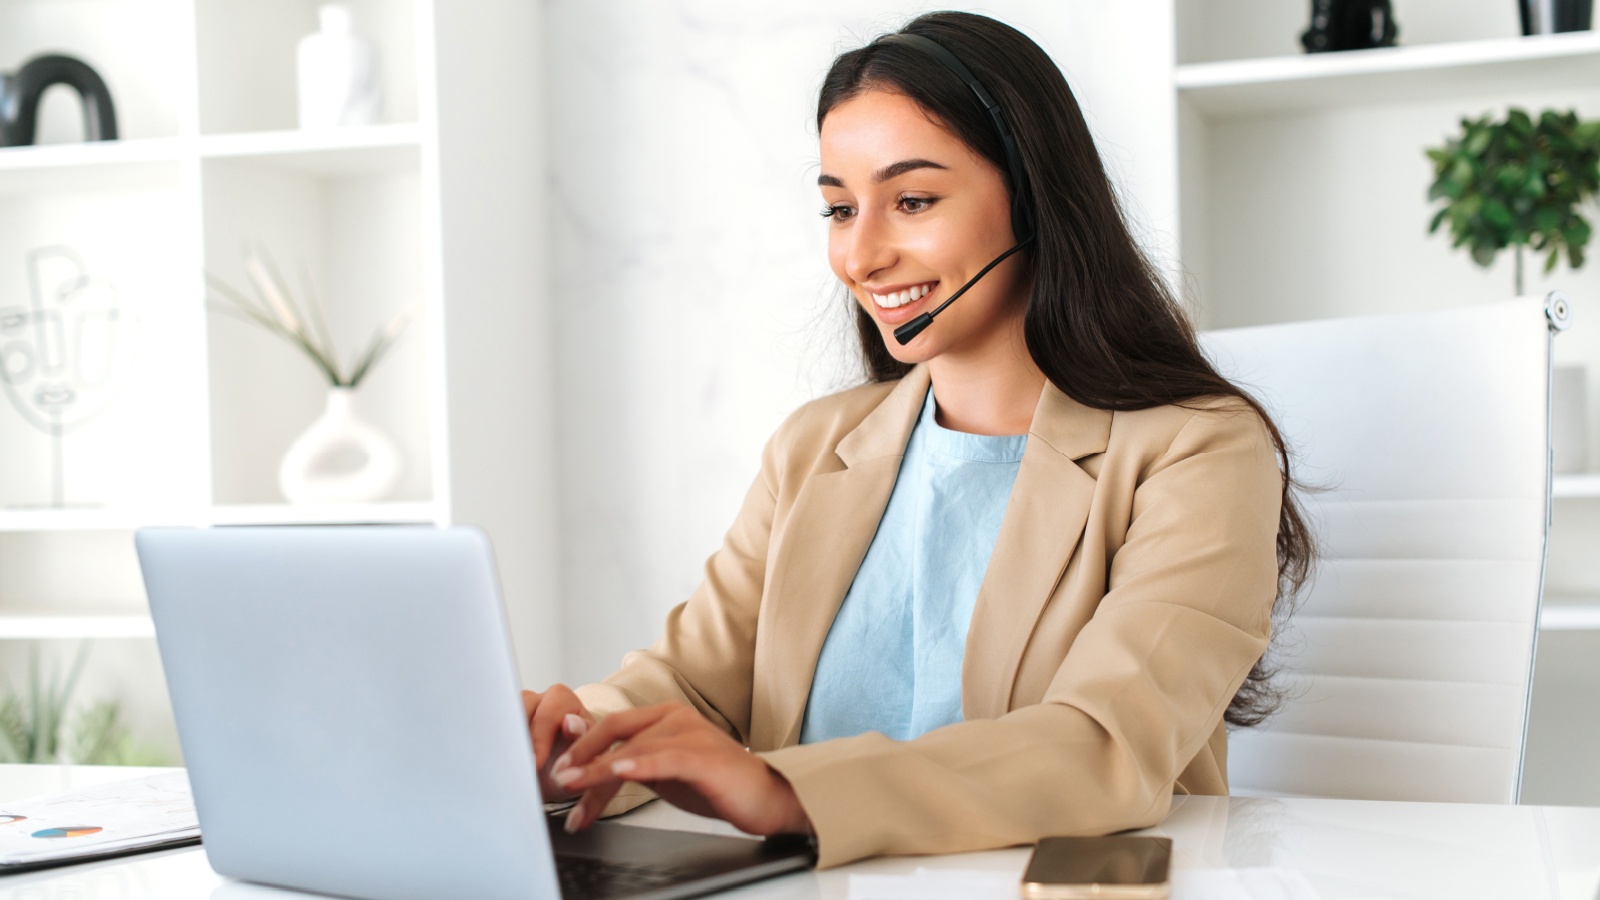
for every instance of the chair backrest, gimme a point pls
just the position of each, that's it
(1410, 657)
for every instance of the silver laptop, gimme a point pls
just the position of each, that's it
(347, 703)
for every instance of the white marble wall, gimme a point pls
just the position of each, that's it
(694, 304)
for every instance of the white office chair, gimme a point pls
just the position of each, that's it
(1410, 659)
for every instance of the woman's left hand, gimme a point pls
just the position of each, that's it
(689, 762)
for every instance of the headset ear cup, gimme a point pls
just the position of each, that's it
(1022, 221)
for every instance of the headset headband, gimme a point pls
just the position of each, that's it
(1021, 200)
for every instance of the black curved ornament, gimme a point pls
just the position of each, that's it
(20, 94)
(1350, 25)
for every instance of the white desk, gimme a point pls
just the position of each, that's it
(1344, 848)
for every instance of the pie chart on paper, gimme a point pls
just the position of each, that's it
(67, 831)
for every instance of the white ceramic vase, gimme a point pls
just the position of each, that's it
(340, 458)
(338, 73)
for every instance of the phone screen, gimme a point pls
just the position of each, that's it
(1130, 860)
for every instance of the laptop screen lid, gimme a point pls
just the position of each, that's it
(347, 705)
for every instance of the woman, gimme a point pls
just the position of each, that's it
(1019, 582)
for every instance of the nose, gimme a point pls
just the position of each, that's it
(870, 246)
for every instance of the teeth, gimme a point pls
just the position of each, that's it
(901, 298)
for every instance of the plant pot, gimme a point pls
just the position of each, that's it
(1555, 16)
(340, 458)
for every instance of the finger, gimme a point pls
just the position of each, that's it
(590, 806)
(549, 711)
(574, 726)
(618, 726)
(666, 763)
(669, 731)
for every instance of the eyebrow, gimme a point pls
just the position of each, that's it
(892, 170)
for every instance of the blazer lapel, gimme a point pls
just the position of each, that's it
(1043, 523)
(830, 527)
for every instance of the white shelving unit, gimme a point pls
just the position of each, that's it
(208, 405)
(439, 207)
(1303, 196)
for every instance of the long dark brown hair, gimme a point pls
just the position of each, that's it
(1101, 322)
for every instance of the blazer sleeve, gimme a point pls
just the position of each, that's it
(1186, 615)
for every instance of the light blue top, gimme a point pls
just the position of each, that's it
(892, 660)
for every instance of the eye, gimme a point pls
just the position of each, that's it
(917, 204)
(837, 212)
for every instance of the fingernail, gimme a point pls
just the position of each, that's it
(576, 726)
(561, 762)
(565, 777)
(570, 825)
(623, 766)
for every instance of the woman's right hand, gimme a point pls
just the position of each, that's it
(556, 718)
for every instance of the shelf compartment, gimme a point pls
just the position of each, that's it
(100, 306)
(247, 52)
(42, 624)
(358, 239)
(142, 49)
(1390, 75)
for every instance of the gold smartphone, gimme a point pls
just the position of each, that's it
(1120, 867)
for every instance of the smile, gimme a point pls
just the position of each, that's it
(901, 298)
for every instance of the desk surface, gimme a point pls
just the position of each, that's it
(1343, 848)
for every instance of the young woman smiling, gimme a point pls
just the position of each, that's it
(1017, 584)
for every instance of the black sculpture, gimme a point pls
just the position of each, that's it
(1555, 16)
(1350, 25)
(20, 94)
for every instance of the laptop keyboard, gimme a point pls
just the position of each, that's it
(583, 878)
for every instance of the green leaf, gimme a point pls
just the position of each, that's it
(1496, 214)
(1579, 232)
(1483, 255)
(1438, 219)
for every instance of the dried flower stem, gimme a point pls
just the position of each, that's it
(275, 309)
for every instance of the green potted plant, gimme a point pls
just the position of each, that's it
(1516, 182)
(39, 724)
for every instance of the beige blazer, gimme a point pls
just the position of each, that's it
(1128, 595)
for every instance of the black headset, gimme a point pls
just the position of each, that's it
(1022, 216)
